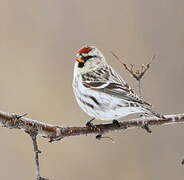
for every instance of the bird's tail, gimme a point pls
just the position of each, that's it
(154, 113)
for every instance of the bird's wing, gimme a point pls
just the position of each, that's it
(114, 86)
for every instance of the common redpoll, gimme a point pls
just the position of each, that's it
(100, 91)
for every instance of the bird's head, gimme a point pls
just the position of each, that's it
(88, 58)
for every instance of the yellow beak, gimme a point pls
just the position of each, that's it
(80, 60)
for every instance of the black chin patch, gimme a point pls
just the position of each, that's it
(81, 64)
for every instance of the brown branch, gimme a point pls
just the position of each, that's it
(33, 136)
(55, 133)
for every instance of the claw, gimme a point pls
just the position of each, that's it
(146, 127)
(89, 123)
(116, 122)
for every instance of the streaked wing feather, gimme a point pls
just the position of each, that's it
(109, 81)
(115, 89)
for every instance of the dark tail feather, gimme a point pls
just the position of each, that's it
(150, 111)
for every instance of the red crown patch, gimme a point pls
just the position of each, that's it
(84, 50)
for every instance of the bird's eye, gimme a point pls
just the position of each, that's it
(83, 60)
(87, 57)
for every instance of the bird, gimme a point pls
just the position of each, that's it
(101, 92)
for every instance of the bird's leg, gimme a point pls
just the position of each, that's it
(145, 124)
(116, 122)
(89, 123)
(146, 127)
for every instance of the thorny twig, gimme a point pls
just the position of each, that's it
(33, 132)
(55, 133)
(33, 135)
(136, 74)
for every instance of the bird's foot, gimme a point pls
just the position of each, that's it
(89, 123)
(146, 127)
(116, 122)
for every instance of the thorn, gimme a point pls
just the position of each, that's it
(20, 116)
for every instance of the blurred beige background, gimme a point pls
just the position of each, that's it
(38, 41)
